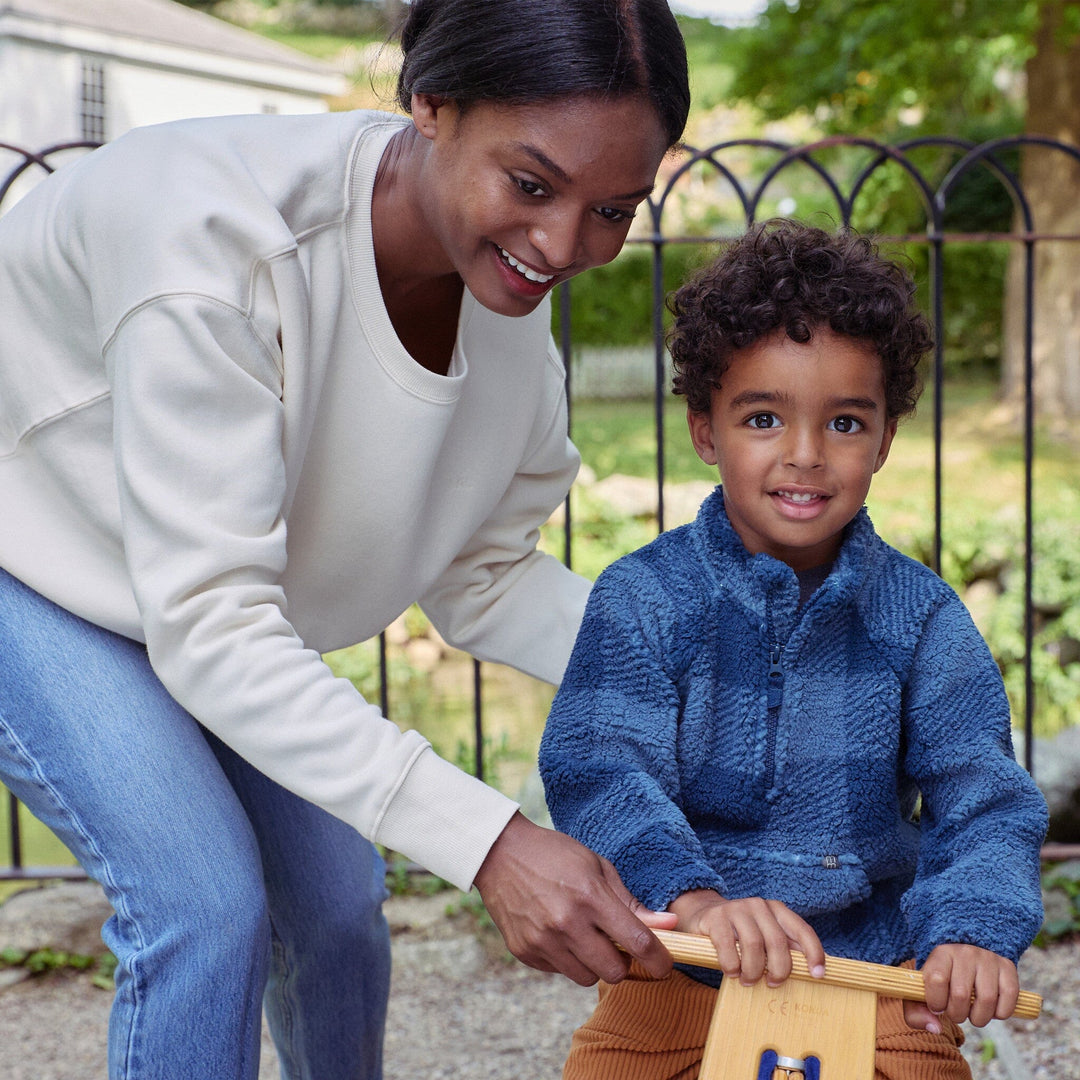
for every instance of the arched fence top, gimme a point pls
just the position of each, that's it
(986, 152)
(747, 172)
(933, 187)
(845, 183)
(39, 158)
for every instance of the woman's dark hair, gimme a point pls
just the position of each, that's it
(785, 274)
(524, 51)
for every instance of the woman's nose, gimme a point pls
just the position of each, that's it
(559, 241)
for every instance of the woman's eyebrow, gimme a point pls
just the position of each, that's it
(545, 162)
(542, 159)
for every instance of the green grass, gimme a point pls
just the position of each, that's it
(319, 45)
(983, 485)
(982, 522)
(982, 459)
(620, 437)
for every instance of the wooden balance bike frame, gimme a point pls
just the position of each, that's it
(832, 1019)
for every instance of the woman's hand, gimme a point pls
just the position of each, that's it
(560, 907)
(964, 982)
(765, 930)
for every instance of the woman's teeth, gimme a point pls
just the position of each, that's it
(523, 270)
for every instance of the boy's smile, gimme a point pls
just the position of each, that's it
(797, 432)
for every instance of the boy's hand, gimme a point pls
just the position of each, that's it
(766, 932)
(964, 982)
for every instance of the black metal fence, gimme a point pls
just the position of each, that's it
(742, 181)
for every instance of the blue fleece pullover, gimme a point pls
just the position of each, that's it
(662, 753)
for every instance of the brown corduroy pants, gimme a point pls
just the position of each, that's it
(648, 1029)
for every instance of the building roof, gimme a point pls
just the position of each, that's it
(155, 22)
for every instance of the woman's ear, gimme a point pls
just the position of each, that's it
(425, 110)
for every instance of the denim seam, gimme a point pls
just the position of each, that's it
(286, 1011)
(20, 752)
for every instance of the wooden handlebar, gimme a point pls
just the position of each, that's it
(858, 974)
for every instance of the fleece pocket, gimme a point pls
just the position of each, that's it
(809, 884)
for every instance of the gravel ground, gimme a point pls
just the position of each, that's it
(460, 1009)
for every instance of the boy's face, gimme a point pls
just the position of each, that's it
(797, 432)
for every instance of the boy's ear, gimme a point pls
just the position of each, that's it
(886, 443)
(701, 436)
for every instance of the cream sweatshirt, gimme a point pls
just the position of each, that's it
(211, 440)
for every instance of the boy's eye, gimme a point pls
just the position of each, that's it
(764, 420)
(846, 425)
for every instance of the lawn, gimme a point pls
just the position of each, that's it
(983, 494)
(982, 522)
(982, 464)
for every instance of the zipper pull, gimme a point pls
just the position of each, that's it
(776, 677)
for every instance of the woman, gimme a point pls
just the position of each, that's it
(264, 382)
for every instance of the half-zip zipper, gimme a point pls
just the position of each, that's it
(774, 699)
(776, 677)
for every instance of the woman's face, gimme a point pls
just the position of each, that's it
(521, 197)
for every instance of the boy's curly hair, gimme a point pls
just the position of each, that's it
(786, 274)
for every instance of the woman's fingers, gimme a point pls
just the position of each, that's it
(562, 908)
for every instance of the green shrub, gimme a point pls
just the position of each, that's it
(990, 548)
(612, 305)
(1061, 897)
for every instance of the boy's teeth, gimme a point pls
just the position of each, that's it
(523, 270)
(799, 496)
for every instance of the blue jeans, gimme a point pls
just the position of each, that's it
(229, 892)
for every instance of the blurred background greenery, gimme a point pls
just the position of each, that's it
(943, 76)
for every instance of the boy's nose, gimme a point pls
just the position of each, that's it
(804, 449)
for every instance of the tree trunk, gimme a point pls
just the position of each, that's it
(1051, 180)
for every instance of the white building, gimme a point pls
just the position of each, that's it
(92, 69)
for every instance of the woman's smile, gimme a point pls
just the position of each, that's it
(524, 271)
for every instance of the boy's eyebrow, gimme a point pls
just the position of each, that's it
(758, 397)
(773, 397)
(543, 160)
(867, 404)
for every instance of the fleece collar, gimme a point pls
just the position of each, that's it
(768, 587)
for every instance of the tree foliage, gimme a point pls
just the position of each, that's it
(877, 67)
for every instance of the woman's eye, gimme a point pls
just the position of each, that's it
(846, 425)
(529, 187)
(613, 214)
(763, 420)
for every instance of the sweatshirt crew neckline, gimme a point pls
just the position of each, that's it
(366, 292)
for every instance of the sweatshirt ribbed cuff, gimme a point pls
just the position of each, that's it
(444, 819)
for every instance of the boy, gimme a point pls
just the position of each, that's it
(757, 701)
